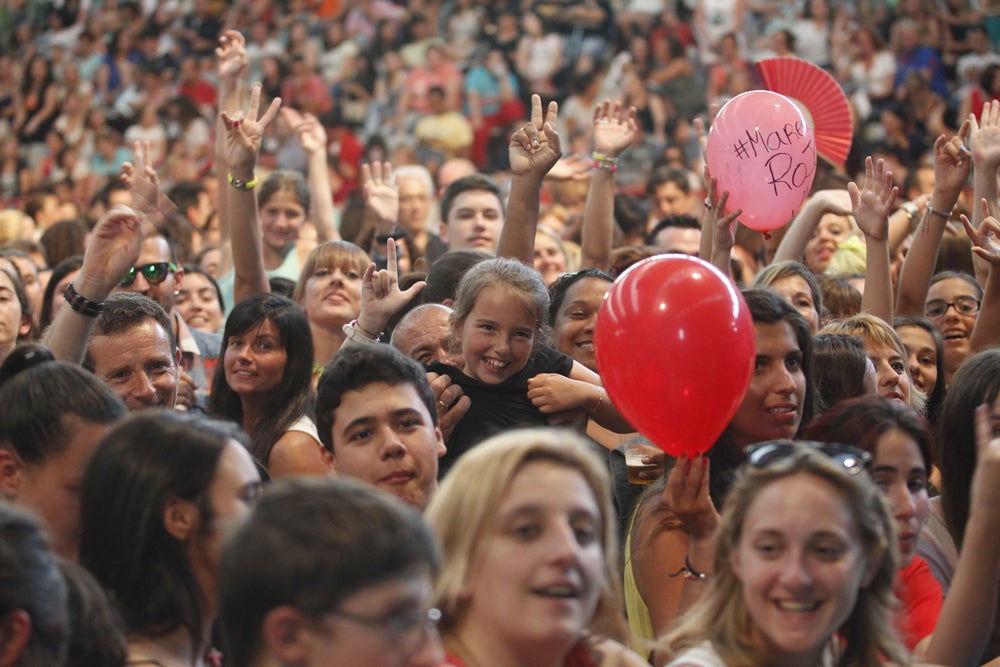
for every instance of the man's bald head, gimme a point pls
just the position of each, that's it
(424, 334)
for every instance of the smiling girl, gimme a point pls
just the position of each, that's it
(510, 375)
(952, 305)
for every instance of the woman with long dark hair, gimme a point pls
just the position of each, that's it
(159, 495)
(264, 384)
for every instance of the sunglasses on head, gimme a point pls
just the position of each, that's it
(851, 459)
(154, 273)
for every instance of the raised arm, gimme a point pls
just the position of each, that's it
(966, 619)
(232, 64)
(614, 130)
(951, 170)
(244, 131)
(871, 206)
(312, 137)
(381, 196)
(534, 149)
(803, 225)
(986, 247)
(688, 497)
(718, 227)
(985, 144)
(381, 298)
(112, 250)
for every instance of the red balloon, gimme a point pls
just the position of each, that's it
(675, 349)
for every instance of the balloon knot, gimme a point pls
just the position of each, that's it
(767, 236)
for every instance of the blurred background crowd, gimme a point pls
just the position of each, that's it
(429, 81)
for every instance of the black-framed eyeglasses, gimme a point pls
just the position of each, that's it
(154, 273)
(406, 629)
(851, 459)
(963, 305)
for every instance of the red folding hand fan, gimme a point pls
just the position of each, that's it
(820, 97)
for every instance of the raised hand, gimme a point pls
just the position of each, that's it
(985, 242)
(381, 297)
(873, 202)
(381, 194)
(614, 128)
(573, 167)
(984, 136)
(141, 179)
(719, 221)
(112, 250)
(308, 130)
(535, 148)
(837, 202)
(951, 158)
(231, 54)
(686, 494)
(245, 131)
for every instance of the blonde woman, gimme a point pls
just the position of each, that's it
(804, 567)
(531, 574)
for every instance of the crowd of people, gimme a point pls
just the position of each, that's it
(297, 338)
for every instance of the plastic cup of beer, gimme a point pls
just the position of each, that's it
(634, 454)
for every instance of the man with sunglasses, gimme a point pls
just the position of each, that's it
(126, 338)
(157, 275)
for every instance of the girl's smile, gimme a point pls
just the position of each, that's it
(497, 336)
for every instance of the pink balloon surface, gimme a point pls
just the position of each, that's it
(762, 149)
(675, 348)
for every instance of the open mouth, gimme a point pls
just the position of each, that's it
(557, 591)
(495, 364)
(798, 606)
(784, 412)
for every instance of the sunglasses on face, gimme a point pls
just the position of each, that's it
(154, 273)
(851, 459)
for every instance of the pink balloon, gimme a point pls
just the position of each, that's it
(762, 149)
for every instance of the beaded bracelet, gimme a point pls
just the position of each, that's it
(602, 161)
(82, 304)
(240, 184)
